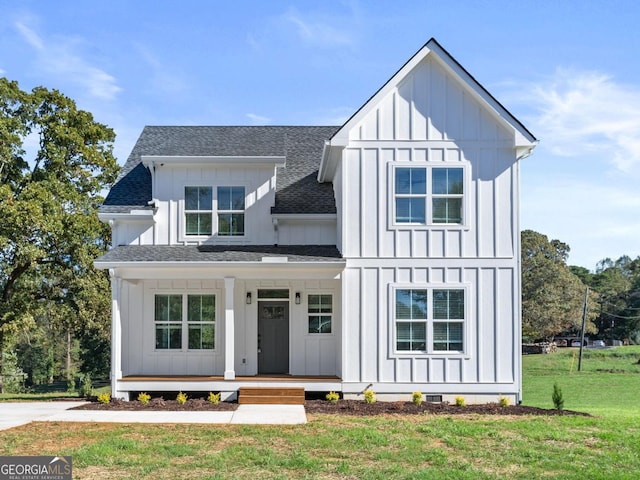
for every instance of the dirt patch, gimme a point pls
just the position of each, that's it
(345, 407)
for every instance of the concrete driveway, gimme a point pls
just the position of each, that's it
(14, 414)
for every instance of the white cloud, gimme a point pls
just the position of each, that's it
(258, 119)
(320, 32)
(57, 56)
(585, 113)
(31, 37)
(163, 80)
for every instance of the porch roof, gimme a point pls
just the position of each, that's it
(163, 254)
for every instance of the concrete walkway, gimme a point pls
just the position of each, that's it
(13, 414)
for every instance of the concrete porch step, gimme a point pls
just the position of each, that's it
(271, 395)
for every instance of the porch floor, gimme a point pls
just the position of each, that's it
(217, 383)
(220, 378)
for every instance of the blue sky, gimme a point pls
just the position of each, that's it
(567, 69)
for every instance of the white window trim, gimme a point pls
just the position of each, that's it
(430, 352)
(429, 196)
(185, 322)
(307, 314)
(215, 237)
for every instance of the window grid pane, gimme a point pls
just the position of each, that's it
(231, 211)
(411, 336)
(410, 195)
(320, 308)
(201, 317)
(447, 336)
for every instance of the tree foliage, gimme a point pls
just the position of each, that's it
(618, 285)
(55, 161)
(552, 296)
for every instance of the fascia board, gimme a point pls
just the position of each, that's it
(523, 136)
(304, 217)
(133, 216)
(342, 135)
(238, 161)
(261, 264)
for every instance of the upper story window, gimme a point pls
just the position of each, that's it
(231, 211)
(428, 195)
(198, 209)
(447, 189)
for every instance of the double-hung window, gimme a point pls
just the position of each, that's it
(447, 191)
(411, 195)
(231, 211)
(448, 320)
(184, 322)
(428, 195)
(411, 320)
(198, 210)
(429, 320)
(320, 309)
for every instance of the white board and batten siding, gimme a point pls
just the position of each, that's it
(309, 354)
(430, 119)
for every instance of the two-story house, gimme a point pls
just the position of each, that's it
(382, 253)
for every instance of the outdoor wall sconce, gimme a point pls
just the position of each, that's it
(297, 298)
(248, 298)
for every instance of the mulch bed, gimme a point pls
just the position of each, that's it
(343, 407)
(159, 404)
(359, 407)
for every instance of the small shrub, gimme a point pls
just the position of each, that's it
(104, 398)
(460, 402)
(213, 398)
(181, 398)
(144, 398)
(333, 397)
(86, 388)
(558, 400)
(416, 398)
(71, 385)
(503, 401)
(369, 396)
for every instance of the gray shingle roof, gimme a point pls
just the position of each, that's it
(219, 253)
(297, 190)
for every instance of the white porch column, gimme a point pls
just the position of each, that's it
(229, 330)
(116, 335)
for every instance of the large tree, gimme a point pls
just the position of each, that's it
(552, 296)
(55, 160)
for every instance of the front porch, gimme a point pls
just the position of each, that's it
(228, 388)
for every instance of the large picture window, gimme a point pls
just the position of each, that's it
(429, 320)
(428, 195)
(198, 210)
(185, 322)
(231, 211)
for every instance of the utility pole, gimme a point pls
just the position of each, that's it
(584, 324)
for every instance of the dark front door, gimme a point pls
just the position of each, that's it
(273, 337)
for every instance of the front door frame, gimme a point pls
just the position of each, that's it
(287, 305)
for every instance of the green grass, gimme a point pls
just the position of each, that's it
(604, 446)
(393, 447)
(57, 390)
(607, 385)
